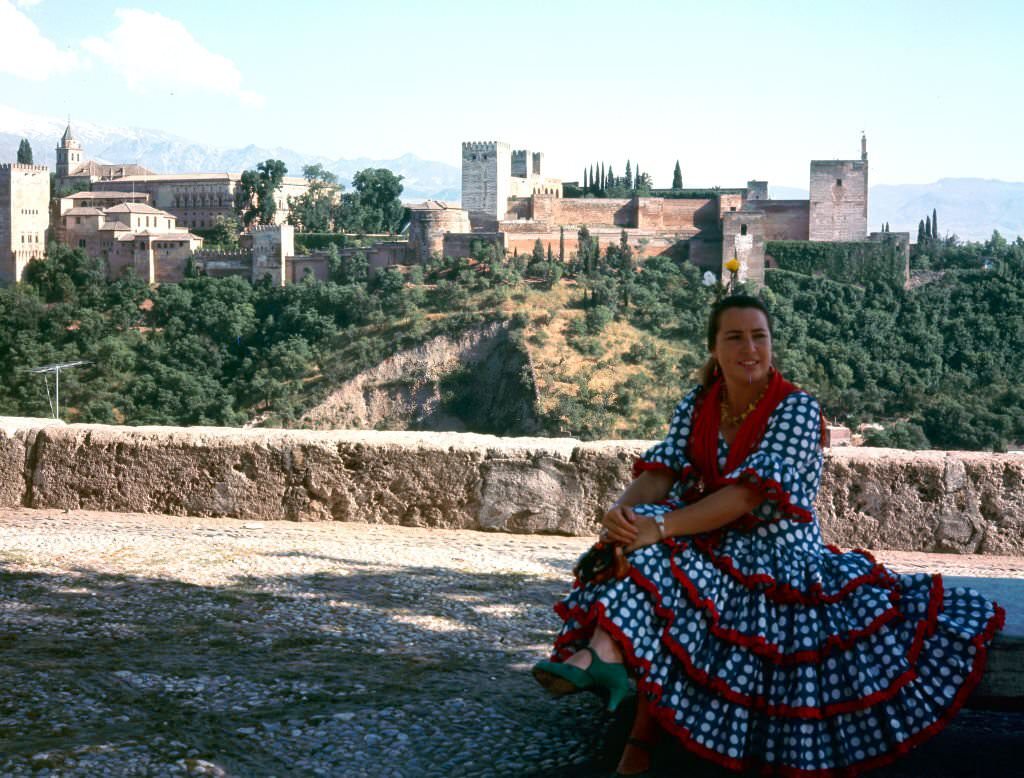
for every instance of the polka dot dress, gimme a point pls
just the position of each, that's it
(760, 647)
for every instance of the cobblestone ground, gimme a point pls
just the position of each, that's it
(151, 645)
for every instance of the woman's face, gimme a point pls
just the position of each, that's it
(743, 345)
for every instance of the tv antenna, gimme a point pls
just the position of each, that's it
(55, 368)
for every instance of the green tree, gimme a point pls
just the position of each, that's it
(224, 233)
(538, 251)
(313, 210)
(928, 227)
(677, 177)
(629, 176)
(935, 223)
(920, 231)
(375, 205)
(25, 152)
(254, 197)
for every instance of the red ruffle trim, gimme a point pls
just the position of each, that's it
(641, 465)
(925, 628)
(666, 718)
(666, 715)
(771, 651)
(772, 490)
(785, 593)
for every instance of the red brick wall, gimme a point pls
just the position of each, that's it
(785, 219)
(607, 212)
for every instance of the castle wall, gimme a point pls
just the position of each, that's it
(959, 502)
(315, 265)
(609, 212)
(428, 225)
(785, 219)
(461, 244)
(24, 217)
(839, 200)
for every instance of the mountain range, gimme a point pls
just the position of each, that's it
(162, 152)
(967, 207)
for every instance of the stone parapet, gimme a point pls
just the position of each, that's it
(960, 502)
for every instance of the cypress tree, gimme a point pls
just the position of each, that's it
(602, 177)
(928, 227)
(585, 183)
(677, 177)
(935, 223)
(24, 152)
(629, 176)
(920, 231)
(550, 257)
(611, 177)
(561, 244)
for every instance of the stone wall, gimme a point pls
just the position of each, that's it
(785, 219)
(959, 502)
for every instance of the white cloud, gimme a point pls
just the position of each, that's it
(155, 53)
(24, 52)
(27, 3)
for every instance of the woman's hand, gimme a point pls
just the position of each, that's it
(647, 533)
(620, 525)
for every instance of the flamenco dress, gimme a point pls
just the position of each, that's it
(758, 646)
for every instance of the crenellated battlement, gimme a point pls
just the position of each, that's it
(480, 146)
(27, 168)
(220, 255)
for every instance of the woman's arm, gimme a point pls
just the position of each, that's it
(714, 511)
(650, 486)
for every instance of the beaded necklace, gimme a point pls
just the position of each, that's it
(728, 419)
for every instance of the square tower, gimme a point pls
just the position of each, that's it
(24, 218)
(486, 174)
(839, 200)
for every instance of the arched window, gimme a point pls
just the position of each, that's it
(743, 229)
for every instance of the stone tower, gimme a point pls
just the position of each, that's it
(24, 217)
(69, 155)
(486, 174)
(839, 198)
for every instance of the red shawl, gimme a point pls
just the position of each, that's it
(703, 448)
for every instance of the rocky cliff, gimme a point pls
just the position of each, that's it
(877, 498)
(480, 380)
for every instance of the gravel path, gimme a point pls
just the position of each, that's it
(154, 645)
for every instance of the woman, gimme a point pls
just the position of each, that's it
(752, 643)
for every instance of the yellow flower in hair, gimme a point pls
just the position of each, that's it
(732, 265)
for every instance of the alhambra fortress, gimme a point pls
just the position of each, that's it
(130, 217)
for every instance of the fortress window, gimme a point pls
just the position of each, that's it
(78, 220)
(81, 243)
(743, 229)
(839, 182)
(732, 207)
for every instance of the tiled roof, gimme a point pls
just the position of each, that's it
(101, 194)
(82, 210)
(142, 208)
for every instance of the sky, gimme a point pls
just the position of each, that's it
(733, 90)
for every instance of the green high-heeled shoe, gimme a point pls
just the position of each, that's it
(560, 679)
(612, 676)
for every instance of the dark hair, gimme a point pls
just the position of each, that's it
(707, 373)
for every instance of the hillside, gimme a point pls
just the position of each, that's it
(603, 351)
